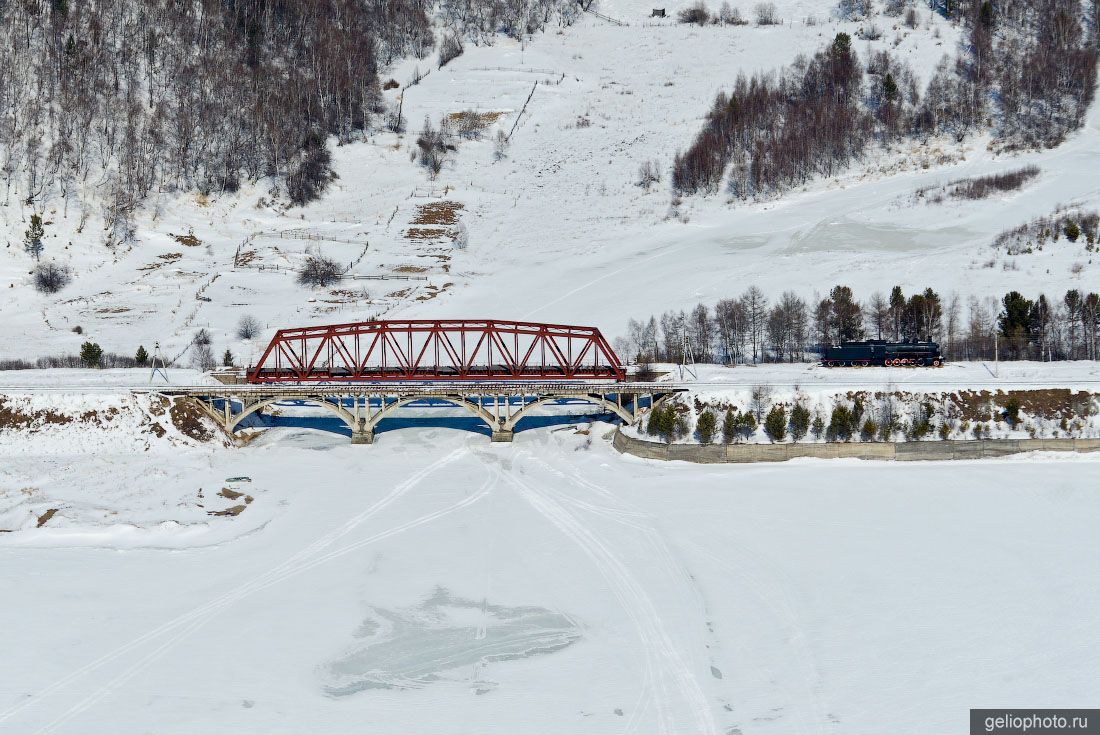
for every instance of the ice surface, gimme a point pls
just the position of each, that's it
(411, 648)
(442, 584)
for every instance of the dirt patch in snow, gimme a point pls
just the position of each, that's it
(427, 233)
(438, 213)
(235, 510)
(13, 418)
(189, 420)
(189, 239)
(45, 517)
(1047, 403)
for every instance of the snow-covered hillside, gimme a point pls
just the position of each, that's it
(557, 230)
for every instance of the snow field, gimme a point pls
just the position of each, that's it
(812, 597)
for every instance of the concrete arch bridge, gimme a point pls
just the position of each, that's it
(362, 408)
(500, 371)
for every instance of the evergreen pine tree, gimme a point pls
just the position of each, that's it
(227, 359)
(729, 426)
(32, 238)
(775, 424)
(889, 88)
(1072, 230)
(747, 424)
(800, 421)
(91, 354)
(706, 426)
(985, 15)
(141, 357)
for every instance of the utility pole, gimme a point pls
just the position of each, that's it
(685, 352)
(996, 355)
(158, 356)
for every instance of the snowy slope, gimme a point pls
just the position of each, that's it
(558, 231)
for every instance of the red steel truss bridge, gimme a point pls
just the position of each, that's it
(500, 371)
(437, 350)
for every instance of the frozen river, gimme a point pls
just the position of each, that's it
(437, 583)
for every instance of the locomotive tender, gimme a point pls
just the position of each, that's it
(883, 353)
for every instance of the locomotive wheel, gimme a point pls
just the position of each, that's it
(936, 363)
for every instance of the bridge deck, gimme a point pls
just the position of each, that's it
(513, 388)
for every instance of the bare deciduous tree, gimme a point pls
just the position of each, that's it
(320, 272)
(248, 327)
(51, 277)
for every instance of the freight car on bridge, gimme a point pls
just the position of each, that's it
(883, 353)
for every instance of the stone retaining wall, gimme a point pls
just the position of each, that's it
(900, 451)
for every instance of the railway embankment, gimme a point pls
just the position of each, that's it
(768, 423)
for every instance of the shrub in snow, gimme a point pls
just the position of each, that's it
(51, 277)
(248, 327)
(766, 14)
(729, 16)
(202, 358)
(460, 237)
(500, 146)
(434, 146)
(697, 14)
(202, 337)
(319, 272)
(648, 174)
(450, 48)
(853, 9)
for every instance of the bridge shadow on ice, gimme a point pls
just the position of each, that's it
(445, 416)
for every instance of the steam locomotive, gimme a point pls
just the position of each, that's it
(882, 353)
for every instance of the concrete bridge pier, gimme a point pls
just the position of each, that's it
(503, 435)
(362, 437)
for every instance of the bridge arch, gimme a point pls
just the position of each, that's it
(613, 407)
(346, 416)
(471, 406)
